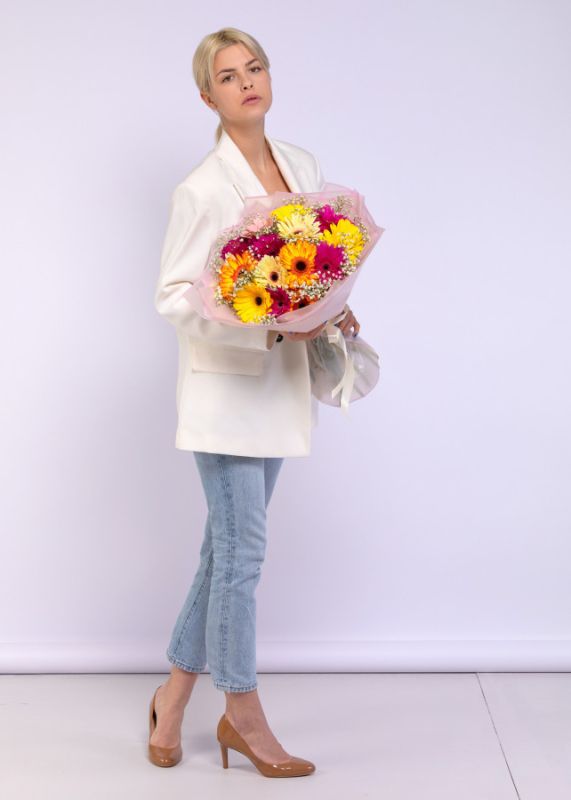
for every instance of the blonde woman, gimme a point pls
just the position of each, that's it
(244, 403)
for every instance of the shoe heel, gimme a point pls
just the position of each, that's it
(224, 751)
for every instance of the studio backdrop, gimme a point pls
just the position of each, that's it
(428, 530)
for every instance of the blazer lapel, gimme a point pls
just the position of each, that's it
(243, 176)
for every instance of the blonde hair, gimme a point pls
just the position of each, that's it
(203, 59)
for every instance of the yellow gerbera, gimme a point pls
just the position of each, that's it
(345, 234)
(290, 208)
(270, 270)
(252, 302)
(299, 226)
(230, 270)
(299, 259)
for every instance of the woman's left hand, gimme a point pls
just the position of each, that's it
(349, 322)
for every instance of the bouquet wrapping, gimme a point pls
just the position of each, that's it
(290, 262)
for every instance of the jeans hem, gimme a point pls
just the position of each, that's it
(225, 688)
(181, 664)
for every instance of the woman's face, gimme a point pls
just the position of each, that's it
(237, 74)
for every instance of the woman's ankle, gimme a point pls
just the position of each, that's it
(176, 691)
(245, 709)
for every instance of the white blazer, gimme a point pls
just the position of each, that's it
(238, 390)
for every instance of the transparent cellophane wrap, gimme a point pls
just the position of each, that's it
(342, 369)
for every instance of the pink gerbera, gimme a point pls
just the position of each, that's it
(236, 246)
(268, 244)
(326, 216)
(328, 261)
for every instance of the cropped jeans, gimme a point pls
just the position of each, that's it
(217, 623)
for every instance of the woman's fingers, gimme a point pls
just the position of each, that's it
(349, 323)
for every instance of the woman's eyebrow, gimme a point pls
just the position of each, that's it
(233, 69)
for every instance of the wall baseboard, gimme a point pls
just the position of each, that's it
(106, 656)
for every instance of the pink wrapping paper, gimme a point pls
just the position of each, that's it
(201, 294)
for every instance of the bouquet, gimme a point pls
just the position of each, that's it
(289, 263)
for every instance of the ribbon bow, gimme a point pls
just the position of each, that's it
(337, 339)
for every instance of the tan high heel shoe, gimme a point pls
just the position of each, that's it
(229, 737)
(161, 756)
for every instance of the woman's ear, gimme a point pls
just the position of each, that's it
(207, 100)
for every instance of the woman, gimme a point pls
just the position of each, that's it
(244, 403)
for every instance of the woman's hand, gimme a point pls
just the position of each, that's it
(349, 321)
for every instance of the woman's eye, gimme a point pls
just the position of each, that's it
(231, 76)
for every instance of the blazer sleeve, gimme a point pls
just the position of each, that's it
(183, 257)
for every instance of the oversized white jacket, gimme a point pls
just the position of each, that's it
(238, 390)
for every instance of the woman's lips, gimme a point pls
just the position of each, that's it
(252, 100)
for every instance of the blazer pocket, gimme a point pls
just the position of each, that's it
(212, 357)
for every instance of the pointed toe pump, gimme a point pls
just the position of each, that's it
(161, 756)
(228, 736)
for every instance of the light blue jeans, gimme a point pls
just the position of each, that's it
(217, 623)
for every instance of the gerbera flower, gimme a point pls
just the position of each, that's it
(230, 270)
(347, 235)
(235, 246)
(282, 212)
(281, 300)
(268, 244)
(299, 226)
(270, 270)
(301, 301)
(326, 216)
(298, 257)
(252, 302)
(328, 262)
(258, 222)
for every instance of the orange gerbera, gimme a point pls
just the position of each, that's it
(299, 259)
(229, 271)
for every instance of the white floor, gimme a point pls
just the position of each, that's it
(447, 736)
